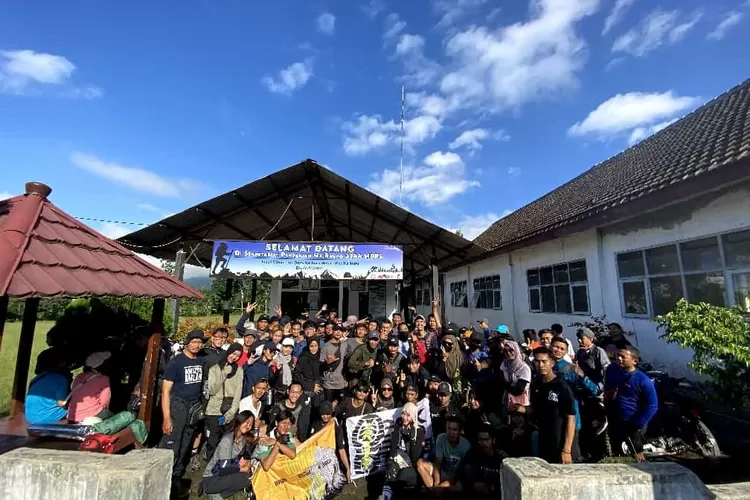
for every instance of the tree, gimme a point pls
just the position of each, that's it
(459, 233)
(720, 340)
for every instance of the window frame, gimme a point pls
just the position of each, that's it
(455, 287)
(726, 271)
(491, 290)
(539, 286)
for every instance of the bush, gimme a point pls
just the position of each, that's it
(720, 340)
(206, 325)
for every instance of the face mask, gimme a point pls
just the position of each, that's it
(448, 347)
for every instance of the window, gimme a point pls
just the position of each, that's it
(419, 297)
(562, 288)
(426, 300)
(487, 293)
(714, 269)
(458, 294)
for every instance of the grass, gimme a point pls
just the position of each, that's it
(8, 353)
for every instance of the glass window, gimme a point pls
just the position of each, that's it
(634, 296)
(560, 288)
(701, 255)
(736, 249)
(665, 292)
(630, 264)
(548, 299)
(419, 297)
(706, 287)
(532, 277)
(662, 260)
(580, 298)
(459, 296)
(578, 271)
(741, 283)
(563, 300)
(561, 273)
(486, 291)
(534, 300)
(546, 276)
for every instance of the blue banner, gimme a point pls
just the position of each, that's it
(321, 261)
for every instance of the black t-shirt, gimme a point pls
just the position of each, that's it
(553, 402)
(187, 375)
(338, 430)
(438, 414)
(478, 467)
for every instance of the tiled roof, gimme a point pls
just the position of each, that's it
(713, 138)
(44, 252)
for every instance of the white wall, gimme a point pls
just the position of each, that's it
(702, 217)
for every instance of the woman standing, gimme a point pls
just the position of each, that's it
(449, 362)
(307, 371)
(224, 393)
(228, 471)
(516, 375)
(407, 445)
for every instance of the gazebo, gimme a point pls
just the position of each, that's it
(46, 253)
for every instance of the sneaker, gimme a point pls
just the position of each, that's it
(195, 462)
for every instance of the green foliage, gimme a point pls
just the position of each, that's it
(720, 340)
(49, 309)
(597, 324)
(459, 233)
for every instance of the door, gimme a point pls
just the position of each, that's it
(364, 304)
(293, 303)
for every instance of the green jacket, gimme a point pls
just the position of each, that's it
(357, 360)
(220, 386)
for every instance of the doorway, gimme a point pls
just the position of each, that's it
(330, 297)
(294, 303)
(364, 304)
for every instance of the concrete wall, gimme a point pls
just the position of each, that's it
(707, 215)
(27, 473)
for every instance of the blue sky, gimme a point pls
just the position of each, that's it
(132, 111)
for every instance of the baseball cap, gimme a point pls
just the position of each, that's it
(350, 320)
(373, 335)
(263, 317)
(433, 378)
(393, 340)
(196, 334)
(250, 333)
(586, 332)
(325, 408)
(288, 341)
(451, 328)
(445, 388)
(271, 346)
(419, 316)
(483, 320)
(502, 329)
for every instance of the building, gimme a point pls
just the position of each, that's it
(664, 219)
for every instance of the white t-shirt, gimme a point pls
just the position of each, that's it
(247, 404)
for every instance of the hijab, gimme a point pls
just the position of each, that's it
(411, 409)
(224, 359)
(455, 358)
(515, 369)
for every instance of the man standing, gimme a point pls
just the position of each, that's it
(181, 401)
(634, 401)
(592, 359)
(298, 405)
(554, 411)
(212, 352)
(332, 356)
(484, 326)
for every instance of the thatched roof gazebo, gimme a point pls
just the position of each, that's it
(46, 253)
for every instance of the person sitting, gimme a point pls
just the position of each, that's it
(479, 472)
(326, 415)
(228, 470)
(280, 440)
(45, 401)
(450, 449)
(519, 439)
(407, 446)
(90, 392)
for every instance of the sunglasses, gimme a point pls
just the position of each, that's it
(447, 344)
(386, 389)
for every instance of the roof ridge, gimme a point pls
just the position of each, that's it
(16, 233)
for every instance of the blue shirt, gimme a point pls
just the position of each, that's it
(299, 347)
(636, 399)
(564, 369)
(45, 390)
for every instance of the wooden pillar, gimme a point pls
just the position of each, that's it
(148, 384)
(253, 298)
(23, 360)
(3, 317)
(227, 300)
(179, 272)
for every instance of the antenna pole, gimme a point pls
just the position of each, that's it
(401, 161)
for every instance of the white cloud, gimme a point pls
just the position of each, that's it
(368, 133)
(135, 178)
(373, 8)
(148, 207)
(27, 71)
(4, 195)
(291, 78)
(514, 172)
(440, 177)
(326, 23)
(472, 139)
(640, 133)
(453, 10)
(393, 27)
(626, 112)
(729, 21)
(614, 17)
(473, 225)
(656, 29)
(519, 63)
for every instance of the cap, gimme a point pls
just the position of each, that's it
(196, 334)
(96, 359)
(433, 378)
(483, 320)
(393, 340)
(445, 388)
(249, 332)
(325, 408)
(288, 341)
(386, 382)
(321, 322)
(451, 328)
(502, 329)
(263, 317)
(350, 320)
(271, 346)
(586, 332)
(419, 316)
(373, 335)
(476, 337)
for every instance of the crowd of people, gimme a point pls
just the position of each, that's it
(231, 408)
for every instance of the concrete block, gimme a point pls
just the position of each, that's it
(533, 478)
(27, 473)
(732, 491)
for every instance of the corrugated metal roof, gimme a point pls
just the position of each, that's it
(342, 211)
(44, 252)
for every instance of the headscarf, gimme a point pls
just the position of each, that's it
(224, 359)
(286, 368)
(514, 368)
(455, 358)
(411, 409)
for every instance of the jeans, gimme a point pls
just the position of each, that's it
(180, 441)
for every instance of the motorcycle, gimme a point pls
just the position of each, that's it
(677, 427)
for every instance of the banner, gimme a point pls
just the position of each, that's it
(314, 474)
(369, 438)
(319, 261)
